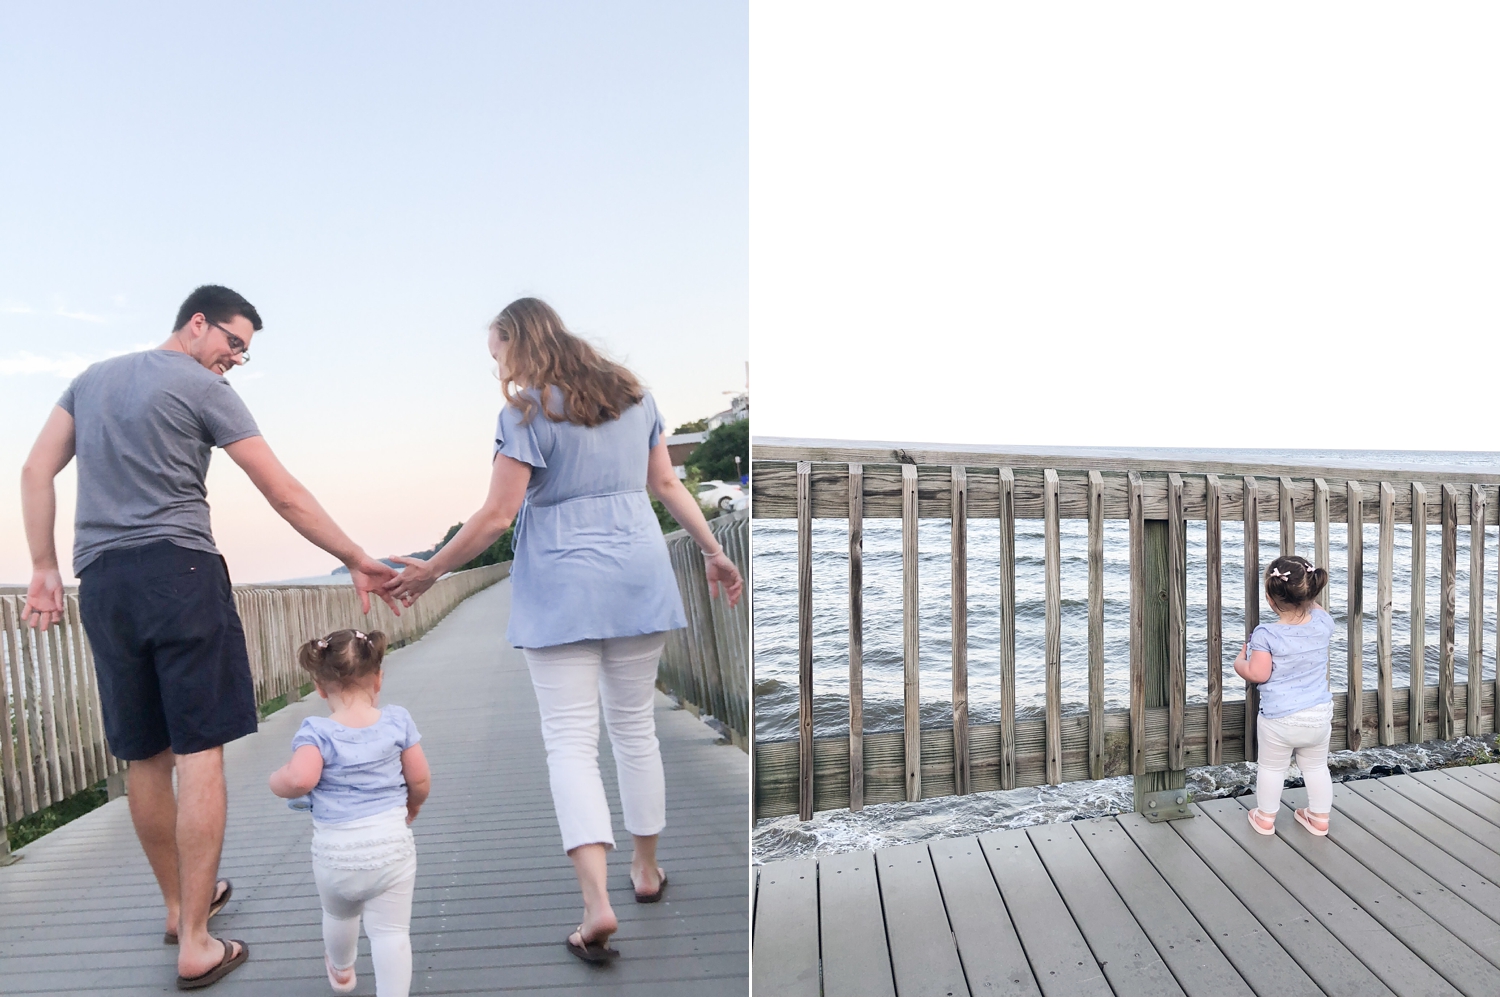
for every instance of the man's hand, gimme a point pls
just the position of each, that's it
(44, 599)
(417, 578)
(370, 575)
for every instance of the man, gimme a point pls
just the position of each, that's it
(174, 676)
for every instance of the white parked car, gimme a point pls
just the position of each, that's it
(726, 495)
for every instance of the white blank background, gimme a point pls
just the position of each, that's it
(1166, 224)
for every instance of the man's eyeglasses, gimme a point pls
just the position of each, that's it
(237, 346)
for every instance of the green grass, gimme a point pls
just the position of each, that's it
(26, 830)
(270, 706)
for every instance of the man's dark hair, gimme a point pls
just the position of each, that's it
(218, 304)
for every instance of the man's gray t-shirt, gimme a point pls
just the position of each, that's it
(145, 425)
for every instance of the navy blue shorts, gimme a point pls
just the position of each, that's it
(169, 650)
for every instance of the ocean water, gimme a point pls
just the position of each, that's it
(775, 621)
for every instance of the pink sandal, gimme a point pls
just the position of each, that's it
(1310, 820)
(1256, 816)
(333, 980)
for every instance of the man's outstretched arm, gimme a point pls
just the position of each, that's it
(294, 503)
(50, 453)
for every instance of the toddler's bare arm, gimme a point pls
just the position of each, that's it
(298, 776)
(418, 780)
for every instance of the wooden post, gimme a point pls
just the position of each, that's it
(1215, 567)
(912, 643)
(856, 637)
(1096, 625)
(1007, 628)
(804, 642)
(1356, 629)
(1177, 622)
(1158, 795)
(1251, 505)
(1417, 656)
(1448, 596)
(1476, 610)
(1052, 596)
(1385, 566)
(959, 613)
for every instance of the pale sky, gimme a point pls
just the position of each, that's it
(379, 179)
(1141, 224)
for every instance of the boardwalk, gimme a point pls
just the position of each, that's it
(495, 895)
(1401, 898)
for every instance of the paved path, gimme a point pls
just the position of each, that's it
(495, 895)
(1400, 898)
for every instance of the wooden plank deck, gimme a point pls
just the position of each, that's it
(495, 895)
(1400, 898)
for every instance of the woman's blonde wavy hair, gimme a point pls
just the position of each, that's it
(545, 356)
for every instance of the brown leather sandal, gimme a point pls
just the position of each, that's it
(597, 952)
(651, 898)
(226, 966)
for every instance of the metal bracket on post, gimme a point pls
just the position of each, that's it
(1159, 796)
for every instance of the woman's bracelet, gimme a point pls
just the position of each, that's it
(708, 556)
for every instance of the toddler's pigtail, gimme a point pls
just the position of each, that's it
(312, 655)
(1317, 581)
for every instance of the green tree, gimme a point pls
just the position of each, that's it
(713, 459)
(696, 426)
(496, 552)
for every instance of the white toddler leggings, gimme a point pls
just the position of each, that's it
(382, 894)
(1278, 742)
(571, 680)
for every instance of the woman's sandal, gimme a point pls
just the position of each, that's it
(1310, 820)
(170, 937)
(596, 952)
(226, 966)
(1259, 827)
(333, 980)
(651, 898)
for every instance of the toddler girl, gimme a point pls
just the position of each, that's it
(1289, 658)
(367, 779)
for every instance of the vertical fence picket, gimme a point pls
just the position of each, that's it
(1096, 625)
(1448, 596)
(1286, 513)
(1354, 725)
(1052, 586)
(804, 642)
(1251, 504)
(1177, 623)
(13, 743)
(959, 617)
(1321, 546)
(1385, 567)
(1476, 611)
(911, 634)
(856, 637)
(1417, 654)
(1136, 498)
(1007, 516)
(1213, 541)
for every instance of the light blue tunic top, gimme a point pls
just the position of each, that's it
(590, 561)
(361, 765)
(1299, 664)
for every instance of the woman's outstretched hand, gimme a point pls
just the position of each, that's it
(722, 574)
(417, 577)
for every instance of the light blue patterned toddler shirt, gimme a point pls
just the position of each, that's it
(1299, 664)
(361, 765)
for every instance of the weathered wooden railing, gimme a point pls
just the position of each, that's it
(707, 666)
(53, 745)
(1159, 735)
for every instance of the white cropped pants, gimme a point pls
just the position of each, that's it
(1279, 740)
(571, 681)
(369, 867)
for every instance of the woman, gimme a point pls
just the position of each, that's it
(578, 445)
